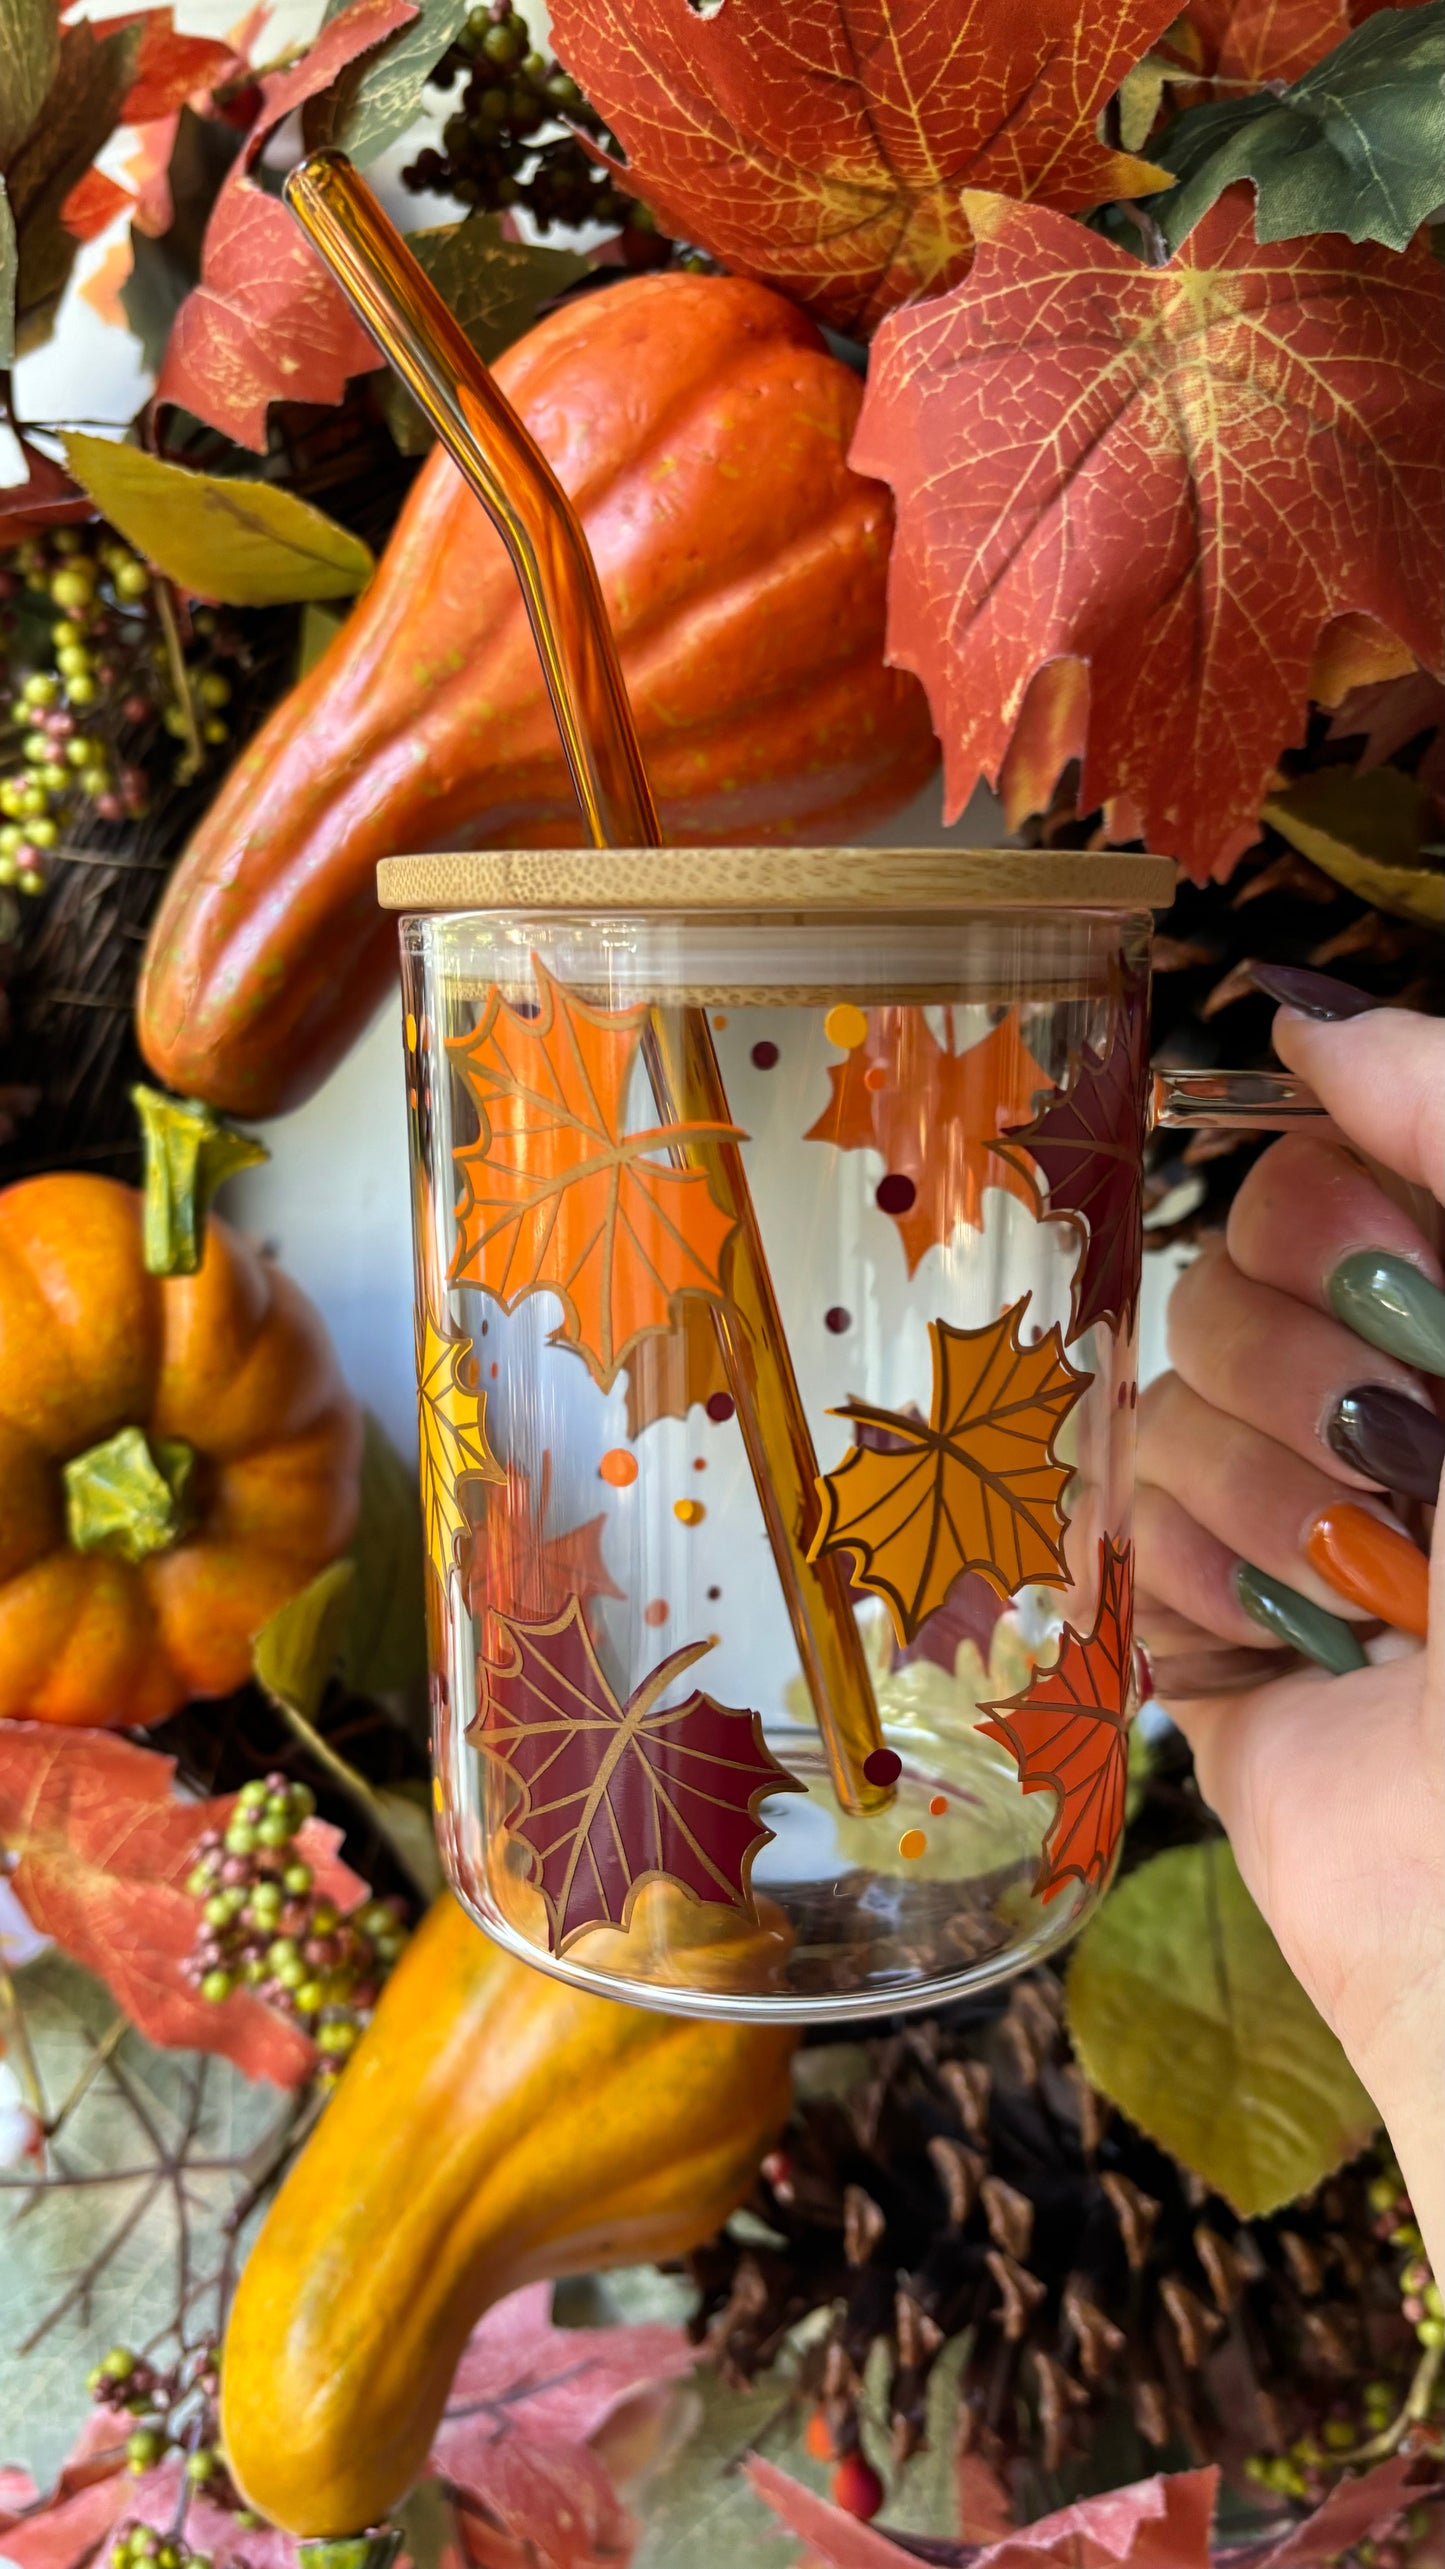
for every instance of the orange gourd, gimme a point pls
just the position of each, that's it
(703, 430)
(492, 2127)
(178, 1456)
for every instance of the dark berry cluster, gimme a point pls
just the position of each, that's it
(513, 139)
(264, 1926)
(174, 2411)
(88, 692)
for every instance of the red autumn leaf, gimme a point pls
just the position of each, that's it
(170, 68)
(614, 1796)
(933, 1115)
(46, 498)
(1088, 1143)
(1355, 2511)
(518, 1568)
(93, 202)
(1068, 1730)
(96, 2493)
(1161, 2523)
(515, 2439)
(1178, 475)
(1244, 43)
(825, 147)
(104, 1848)
(266, 323)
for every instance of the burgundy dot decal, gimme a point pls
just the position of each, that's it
(720, 1407)
(883, 1766)
(713, 1595)
(764, 1056)
(895, 1194)
(837, 1320)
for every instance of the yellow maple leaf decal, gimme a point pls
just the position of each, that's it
(454, 1444)
(978, 1485)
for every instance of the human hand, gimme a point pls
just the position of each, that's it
(1276, 1416)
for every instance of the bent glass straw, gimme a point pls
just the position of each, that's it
(396, 302)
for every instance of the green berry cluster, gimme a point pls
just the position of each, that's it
(174, 2411)
(264, 1927)
(88, 693)
(513, 140)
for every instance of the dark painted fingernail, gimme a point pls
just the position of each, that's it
(1314, 994)
(1387, 1301)
(1288, 1617)
(1390, 1438)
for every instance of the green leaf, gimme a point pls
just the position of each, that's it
(82, 110)
(320, 626)
(249, 544)
(1184, 2012)
(495, 289)
(378, 97)
(384, 1651)
(162, 2144)
(1355, 146)
(29, 61)
(296, 1652)
(1367, 832)
(189, 1154)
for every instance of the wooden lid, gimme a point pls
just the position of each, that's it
(831, 879)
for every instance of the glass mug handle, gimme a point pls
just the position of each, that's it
(1236, 1101)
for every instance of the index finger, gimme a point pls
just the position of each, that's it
(1382, 1079)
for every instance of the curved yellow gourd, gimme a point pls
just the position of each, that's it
(493, 2126)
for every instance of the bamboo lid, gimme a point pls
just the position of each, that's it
(693, 880)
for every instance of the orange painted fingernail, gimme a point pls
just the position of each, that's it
(1372, 1565)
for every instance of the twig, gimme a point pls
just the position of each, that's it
(17, 2032)
(165, 597)
(85, 2281)
(110, 2041)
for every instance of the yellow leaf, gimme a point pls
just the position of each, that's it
(454, 1446)
(248, 544)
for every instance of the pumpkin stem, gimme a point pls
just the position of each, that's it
(128, 1497)
(189, 1153)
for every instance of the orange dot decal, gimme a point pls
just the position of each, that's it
(410, 1033)
(689, 1511)
(845, 1026)
(618, 1468)
(656, 1613)
(912, 1842)
(938, 1805)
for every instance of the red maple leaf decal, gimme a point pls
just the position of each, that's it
(1088, 1142)
(825, 147)
(1178, 475)
(1069, 1730)
(266, 323)
(933, 1114)
(104, 1849)
(613, 1795)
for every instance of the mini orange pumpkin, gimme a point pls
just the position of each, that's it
(178, 1456)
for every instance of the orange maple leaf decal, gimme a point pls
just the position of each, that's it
(1069, 1730)
(978, 1485)
(1178, 475)
(518, 1569)
(824, 146)
(613, 1795)
(934, 1117)
(559, 1199)
(668, 1376)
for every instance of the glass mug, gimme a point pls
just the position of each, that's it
(778, 1245)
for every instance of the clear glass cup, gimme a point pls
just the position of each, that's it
(778, 1241)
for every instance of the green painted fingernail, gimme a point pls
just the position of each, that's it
(1386, 1300)
(1288, 1617)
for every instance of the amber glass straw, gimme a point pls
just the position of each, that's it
(398, 305)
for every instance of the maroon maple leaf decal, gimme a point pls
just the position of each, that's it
(613, 1795)
(1069, 1730)
(1088, 1144)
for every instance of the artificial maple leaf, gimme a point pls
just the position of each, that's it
(613, 1795)
(171, 68)
(517, 1568)
(1088, 1142)
(452, 1416)
(515, 2439)
(1178, 475)
(978, 1485)
(1243, 44)
(671, 1374)
(1068, 1729)
(933, 1117)
(825, 148)
(558, 1198)
(103, 1850)
(96, 2493)
(1160, 2523)
(266, 321)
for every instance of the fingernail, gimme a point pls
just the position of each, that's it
(1314, 994)
(1290, 1618)
(1390, 1438)
(1387, 1301)
(1372, 1565)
